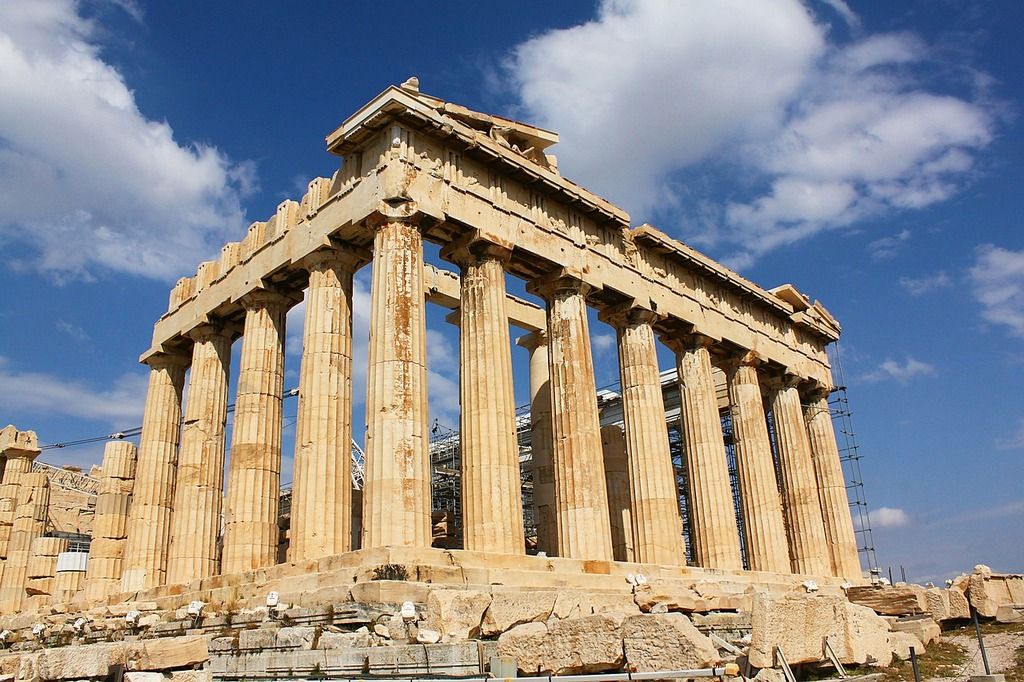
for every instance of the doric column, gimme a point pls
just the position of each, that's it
(322, 489)
(765, 531)
(807, 550)
(19, 450)
(581, 500)
(199, 490)
(541, 442)
(715, 535)
(828, 470)
(29, 523)
(492, 507)
(616, 477)
(657, 527)
(396, 493)
(149, 527)
(110, 525)
(254, 477)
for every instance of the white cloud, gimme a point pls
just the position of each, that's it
(651, 86)
(893, 370)
(602, 342)
(918, 286)
(815, 135)
(997, 282)
(87, 180)
(72, 330)
(889, 517)
(120, 404)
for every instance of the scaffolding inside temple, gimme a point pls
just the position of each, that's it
(446, 464)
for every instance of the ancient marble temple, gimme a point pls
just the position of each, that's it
(415, 168)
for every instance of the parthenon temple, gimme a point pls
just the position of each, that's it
(192, 514)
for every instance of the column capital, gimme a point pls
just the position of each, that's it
(815, 390)
(208, 331)
(344, 257)
(15, 443)
(533, 340)
(398, 212)
(628, 314)
(558, 282)
(264, 298)
(680, 343)
(167, 360)
(473, 250)
(731, 361)
(778, 381)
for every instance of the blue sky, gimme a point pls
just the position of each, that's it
(869, 153)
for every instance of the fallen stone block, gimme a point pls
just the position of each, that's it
(172, 652)
(456, 614)
(665, 642)
(345, 640)
(925, 629)
(580, 645)
(1010, 613)
(890, 600)
(77, 662)
(404, 659)
(508, 609)
(674, 597)
(296, 637)
(257, 639)
(901, 642)
(458, 659)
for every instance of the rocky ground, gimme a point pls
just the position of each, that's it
(956, 655)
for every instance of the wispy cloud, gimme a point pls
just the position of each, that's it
(888, 247)
(1014, 440)
(901, 372)
(36, 393)
(997, 282)
(72, 330)
(918, 286)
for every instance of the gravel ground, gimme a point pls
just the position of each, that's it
(999, 646)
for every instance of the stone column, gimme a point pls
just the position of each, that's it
(765, 531)
(807, 550)
(657, 527)
(29, 523)
(149, 526)
(616, 477)
(492, 507)
(835, 505)
(581, 498)
(199, 490)
(19, 450)
(396, 493)
(322, 488)
(715, 535)
(541, 441)
(110, 525)
(254, 478)
(42, 568)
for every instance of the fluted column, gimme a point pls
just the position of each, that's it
(254, 476)
(149, 527)
(29, 523)
(616, 477)
(765, 531)
(807, 549)
(835, 505)
(199, 490)
(322, 488)
(541, 442)
(396, 493)
(657, 527)
(715, 535)
(19, 450)
(581, 500)
(110, 525)
(492, 508)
